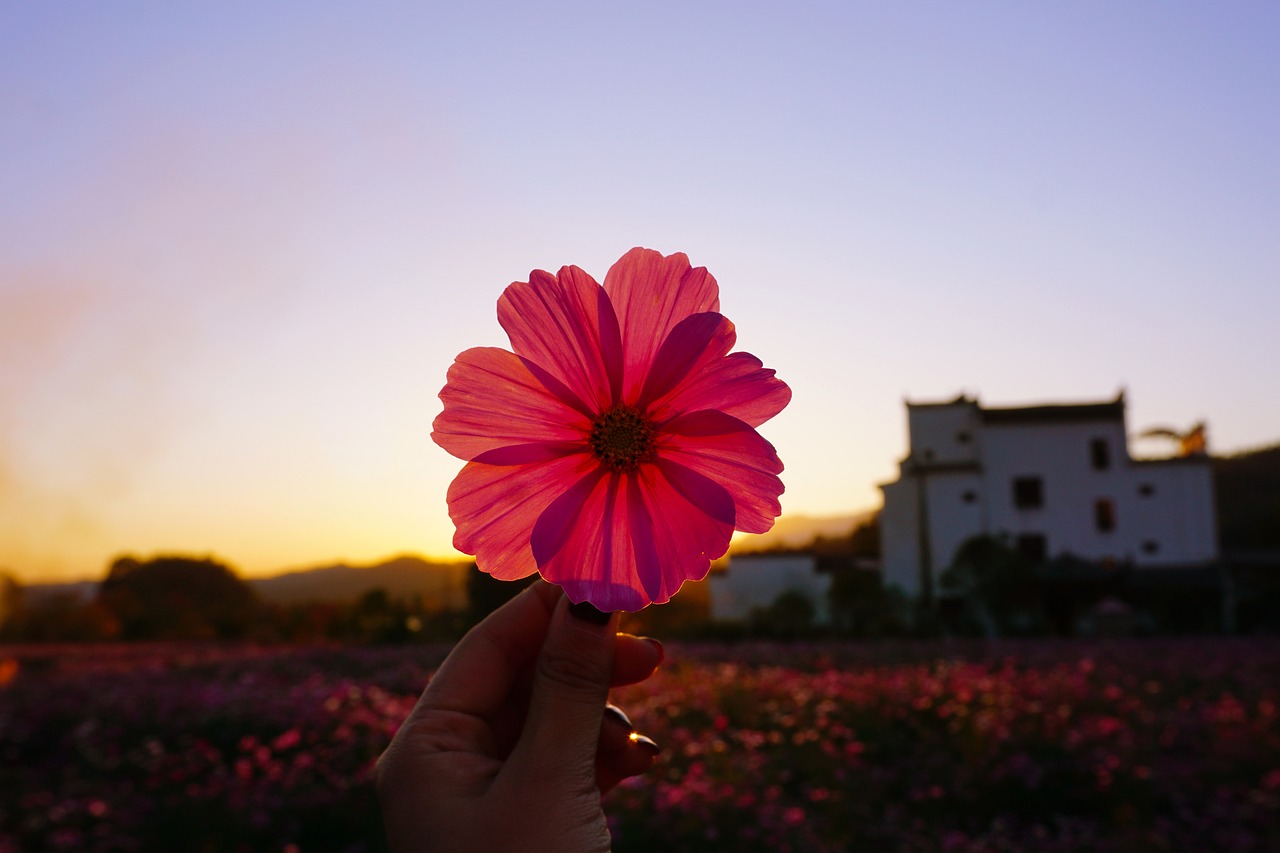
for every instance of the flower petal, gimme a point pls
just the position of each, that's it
(737, 384)
(495, 508)
(651, 295)
(692, 523)
(582, 543)
(528, 454)
(695, 342)
(492, 400)
(556, 524)
(732, 454)
(622, 541)
(566, 325)
(692, 372)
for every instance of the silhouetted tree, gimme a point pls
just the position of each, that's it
(999, 585)
(865, 540)
(790, 615)
(177, 598)
(485, 593)
(10, 596)
(1247, 491)
(863, 607)
(59, 618)
(687, 614)
(862, 541)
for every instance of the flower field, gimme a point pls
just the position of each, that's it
(1150, 745)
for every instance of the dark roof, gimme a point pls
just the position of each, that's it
(1055, 413)
(1112, 410)
(972, 401)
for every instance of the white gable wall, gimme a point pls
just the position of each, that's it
(1177, 515)
(1060, 455)
(944, 434)
(899, 536)
(952, 517)
(1163, 510)
(756, 580)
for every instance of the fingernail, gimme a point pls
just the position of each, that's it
(587, 612)
(645, 743)
(618, 716)
(662, 653)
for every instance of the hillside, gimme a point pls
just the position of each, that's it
(439, 584)
(799, 531)
(1248, 498)
(1247, 489)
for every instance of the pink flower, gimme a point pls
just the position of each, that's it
(615, 450)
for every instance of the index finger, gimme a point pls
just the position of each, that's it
(478, 675)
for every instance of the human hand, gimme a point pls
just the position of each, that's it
(512, 745)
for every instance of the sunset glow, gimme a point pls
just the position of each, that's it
(240, 245)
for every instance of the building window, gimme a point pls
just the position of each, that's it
(1028, 492)
(1100, 454)
(1033, 546)
(1150, 546)
(1104, 515)
(969, 496)
(963, 437)
(1146, 490)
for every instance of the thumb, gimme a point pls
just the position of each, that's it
(568, 694)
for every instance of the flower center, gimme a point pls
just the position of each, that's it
(622, 438)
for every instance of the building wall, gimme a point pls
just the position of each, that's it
(954, 508)
(1177, 514)
(1060, 455)
(899, 541)
(957, 507)
(756, 580)
(945, 434)
(965, 468)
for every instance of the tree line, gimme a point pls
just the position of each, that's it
(184, 598)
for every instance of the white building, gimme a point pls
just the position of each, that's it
(756, 580)
(1054, 479)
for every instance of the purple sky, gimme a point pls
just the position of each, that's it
(240, 244)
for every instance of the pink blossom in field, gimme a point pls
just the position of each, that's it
(614, 449)
(174, 747)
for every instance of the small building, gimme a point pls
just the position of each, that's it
(1055, 480)
(753, 581)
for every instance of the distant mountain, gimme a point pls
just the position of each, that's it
(798, 531)
(1248, 502)
(440, 585)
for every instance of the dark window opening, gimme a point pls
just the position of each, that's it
(1028, 492)
(1100, 454)
(1150, 546)
(963, 437)
(969, 496)
(1104, 515)
(1146, 490)
(1033, 546)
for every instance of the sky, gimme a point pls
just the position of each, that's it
(241, 243)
